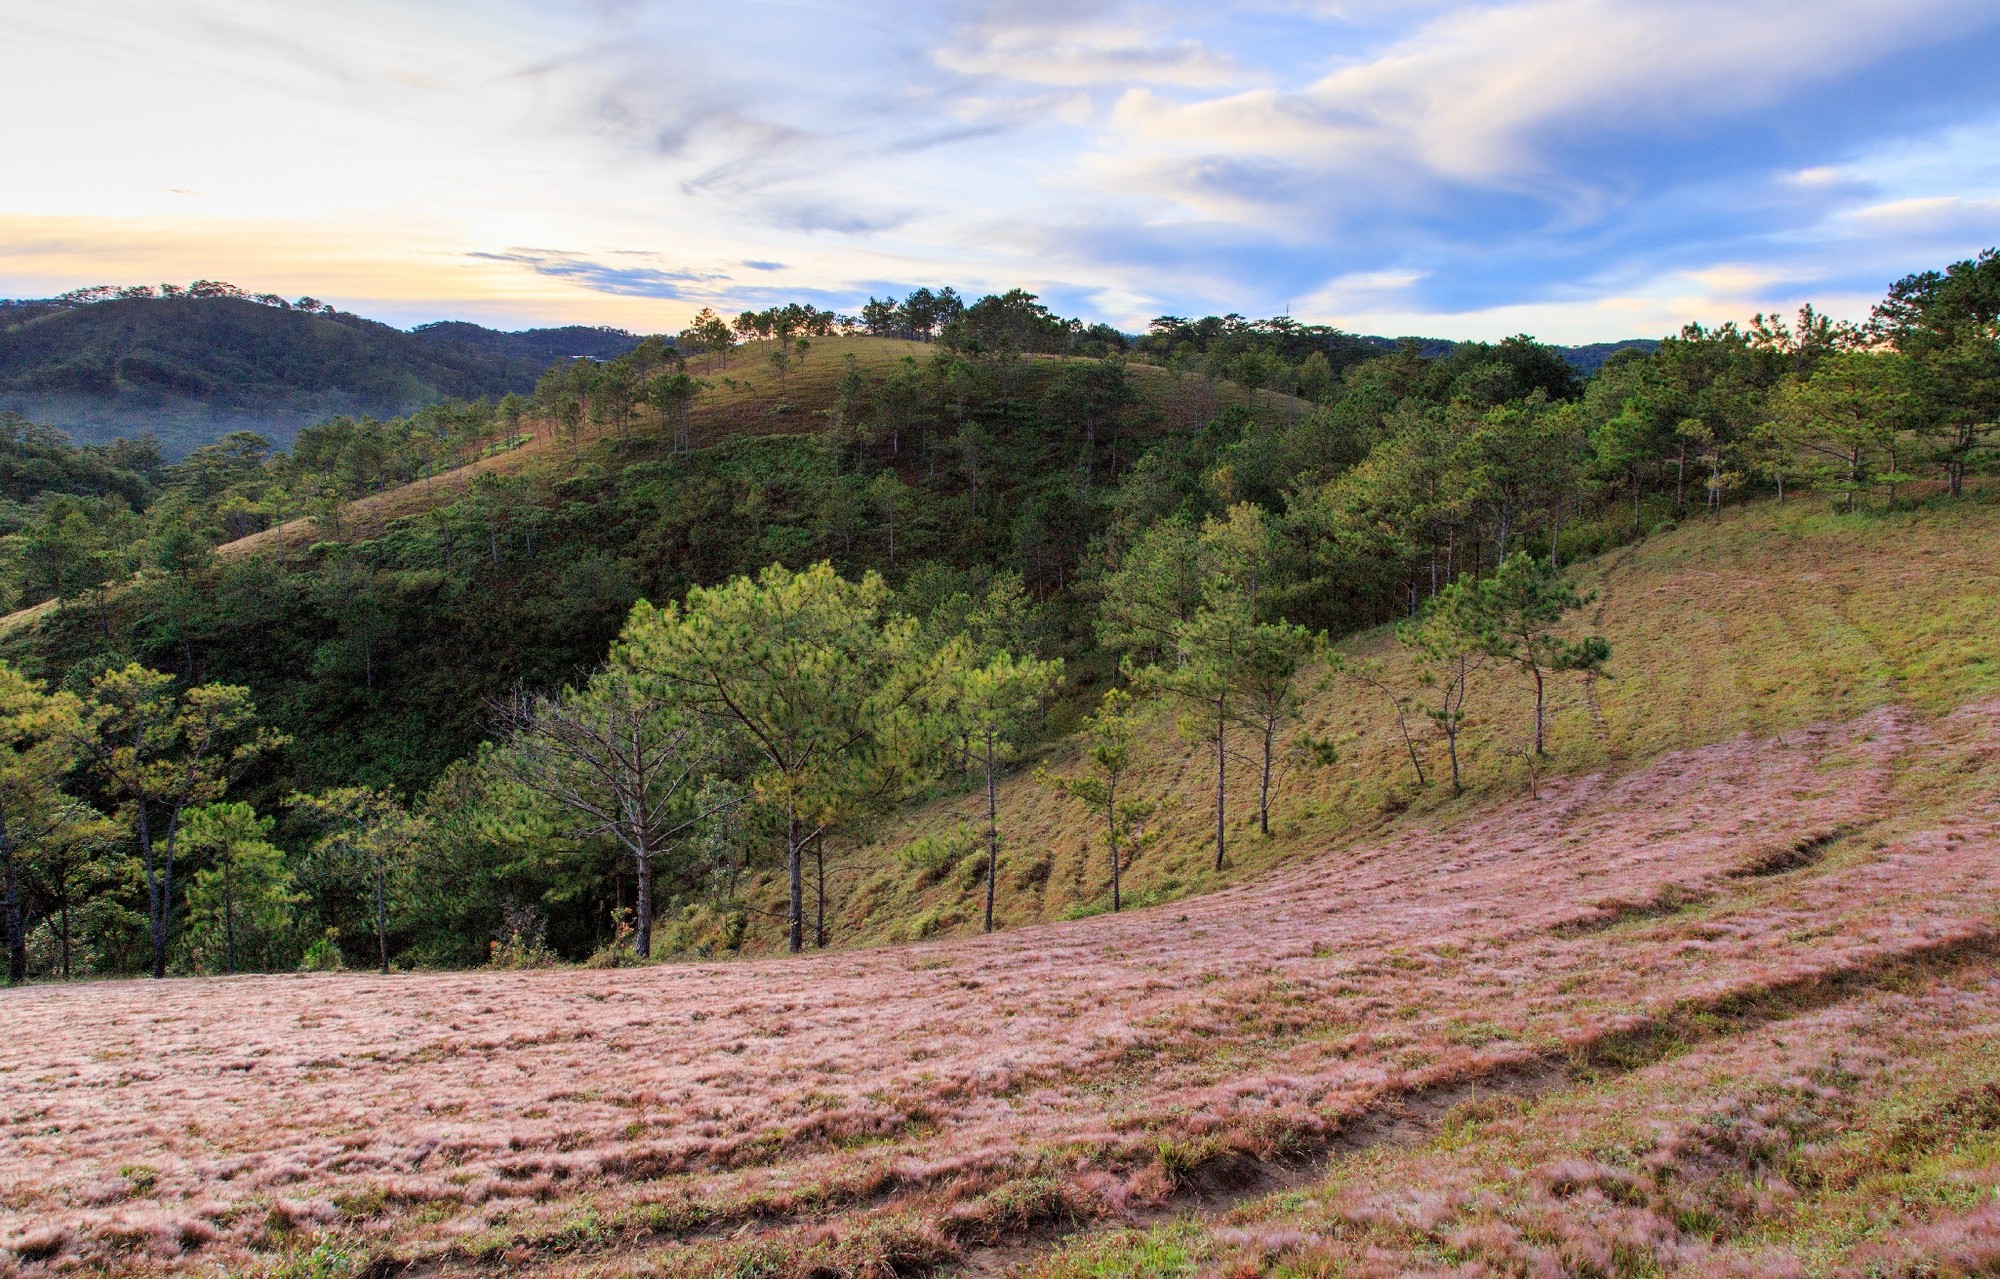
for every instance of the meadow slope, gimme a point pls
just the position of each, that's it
(1770, 618)
(897, 1110)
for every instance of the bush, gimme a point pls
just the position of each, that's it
(702, 929)
(521, 941)
(324, 956)
(932, 857)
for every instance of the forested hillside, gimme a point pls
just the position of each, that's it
(841, 594)
(188, 365)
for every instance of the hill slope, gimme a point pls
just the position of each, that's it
(192, 369)
(895, 1110)
(1769, 618)
(1720, 998)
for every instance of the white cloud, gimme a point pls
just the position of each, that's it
(1929, 215)
(1070, 47)
(1481, 95)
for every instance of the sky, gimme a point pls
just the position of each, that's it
(1581, 170)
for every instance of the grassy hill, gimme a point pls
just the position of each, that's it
(190, 370)
(1720, 998)
(1767, 619)
(1712, 991)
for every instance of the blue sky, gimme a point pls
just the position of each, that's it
(1577, 169)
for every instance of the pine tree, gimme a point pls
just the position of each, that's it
(1107, 736)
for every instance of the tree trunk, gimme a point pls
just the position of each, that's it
(1538, 709)
(1111, 834)
(642, 900)
(1221, 774)
(1264, 780)
(63, 935)
(1454, 699)
(228, 921)
(1410, 745)
(992, 832)
(17, 940)
(819, 890)
(155, 914)
(382, 916)
(794, 862)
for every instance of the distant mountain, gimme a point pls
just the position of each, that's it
(190, 368)
(1584, 359)
(1588, 359)
(540, 347)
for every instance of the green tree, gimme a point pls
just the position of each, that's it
(615, 759)
(1520, 607)
(1211, 655)
(991, 704)
(891, 497)
(1450, 640)
(1273, 659)
(1155, 591)
(673, 394)
(822, 683)
(245, 891)
(369, 832)
(1108, 755)
(159, 752)
(38, 745)
(1846, 417)
(75, 860)
(1958, 403)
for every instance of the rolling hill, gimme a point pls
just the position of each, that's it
(191, 369)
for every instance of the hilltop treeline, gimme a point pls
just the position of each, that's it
(965, 548)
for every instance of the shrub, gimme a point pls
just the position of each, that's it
(932, 857)
(323, 956)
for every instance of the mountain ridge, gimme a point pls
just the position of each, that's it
(191, 369)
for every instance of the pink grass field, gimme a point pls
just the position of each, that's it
(886, 1111)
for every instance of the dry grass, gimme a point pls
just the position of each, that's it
(883, 1111)
(1862, 1139)
(1766, 620)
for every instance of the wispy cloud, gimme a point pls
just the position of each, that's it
(1082, 45)
(604, 277)
(1370, 163)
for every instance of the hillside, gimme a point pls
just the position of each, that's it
(1765, 620)
(1709, 990)
(416, 575)
(744, 399)
(191, 369)
(520, 566)
(1729, 1005)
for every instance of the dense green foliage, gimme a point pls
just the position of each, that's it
(973, 513)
